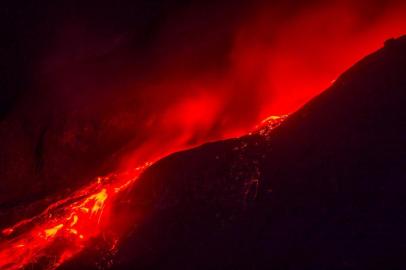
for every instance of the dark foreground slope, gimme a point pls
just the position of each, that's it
(325, 190)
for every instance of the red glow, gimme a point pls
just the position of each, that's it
(274, 65)
(293, 58)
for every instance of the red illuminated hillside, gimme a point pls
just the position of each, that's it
(325, 190)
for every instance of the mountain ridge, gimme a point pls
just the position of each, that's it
(324, 190)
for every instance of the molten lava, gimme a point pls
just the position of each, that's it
(65, 228)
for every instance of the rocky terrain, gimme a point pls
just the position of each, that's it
(324, 190)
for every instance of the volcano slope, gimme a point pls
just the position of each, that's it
(324, 190)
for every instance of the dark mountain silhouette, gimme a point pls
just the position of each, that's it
(324, 190)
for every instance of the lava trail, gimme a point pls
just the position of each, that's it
(67, 226)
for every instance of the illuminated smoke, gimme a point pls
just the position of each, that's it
(109, 96)
(209, 71)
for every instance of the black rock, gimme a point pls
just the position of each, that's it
(324, 190)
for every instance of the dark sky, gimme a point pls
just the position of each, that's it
(127, 32)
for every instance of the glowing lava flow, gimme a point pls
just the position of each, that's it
(63, 229)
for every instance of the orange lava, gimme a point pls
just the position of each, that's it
(52, 231)
(65, 228)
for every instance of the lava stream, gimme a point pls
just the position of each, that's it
(64, 228)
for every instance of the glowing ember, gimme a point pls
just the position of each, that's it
(268, 124)
(52, 231)
(63, 229)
